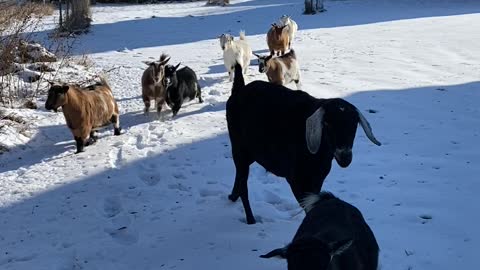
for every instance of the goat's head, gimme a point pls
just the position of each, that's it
(263, 62)
(56, 96)
(312, 253)
(284, 19)
(157, 69)
(337, 119)
(171, 74)
(224, 38)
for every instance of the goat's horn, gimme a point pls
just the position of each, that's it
(367, 128)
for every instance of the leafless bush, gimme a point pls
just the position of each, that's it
(23, 61)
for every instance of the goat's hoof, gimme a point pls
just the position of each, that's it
(79, 151)
(251, 221)
(116, 131)
(233, 198)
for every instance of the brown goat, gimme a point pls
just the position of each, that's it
(153, 83)
(280, 70)
(85, 109)
(277, 39)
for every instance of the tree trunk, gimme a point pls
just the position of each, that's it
(309, 7)
(79, 18)
(61, 15)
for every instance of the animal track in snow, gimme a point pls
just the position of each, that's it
(150, 178)
(279, 203)
(210, 192)
(179, 186)
(123, 235)
(112, 206)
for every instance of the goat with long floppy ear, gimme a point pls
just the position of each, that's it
(314, 127)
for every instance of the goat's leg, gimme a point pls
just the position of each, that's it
(240, 187)
(199, 94)
(147, 105)
(80, 135)
(159, 103)
(176, 107)
(80, 145)
(91, 139)
(116, 124)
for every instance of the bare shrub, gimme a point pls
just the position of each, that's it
(25, 63)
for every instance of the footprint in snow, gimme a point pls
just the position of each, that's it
(210, 192)
(150, 178)
(123, 235)
(112, 206)
(179, 186)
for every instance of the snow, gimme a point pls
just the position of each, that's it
(156, 196)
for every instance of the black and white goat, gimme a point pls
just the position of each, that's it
(280, 70)
(182, 86)
(290, 133)
(333, 235)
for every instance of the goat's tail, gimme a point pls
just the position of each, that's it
(282, 252)
(242, 34)
(308, 202)
(238, 81)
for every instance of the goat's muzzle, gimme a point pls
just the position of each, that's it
(343, 157)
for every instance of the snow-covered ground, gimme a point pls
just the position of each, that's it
(156, 196)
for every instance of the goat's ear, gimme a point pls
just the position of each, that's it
(367, 128)
(258, 56)
(148, 63)
(313, 130)
(65, 88)
(337, 248)
(176, 67)
(165, 61)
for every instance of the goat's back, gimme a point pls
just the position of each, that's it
(268, 122)
(276, 40)
(187, 81)
(332, 220)
(96, 105)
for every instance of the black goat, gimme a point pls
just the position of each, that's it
(289, 133)
(182, 86)
(333, 235)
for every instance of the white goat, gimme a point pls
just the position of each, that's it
(291, 28)
(223, 39)
(237, 51)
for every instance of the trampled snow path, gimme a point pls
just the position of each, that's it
(156, 196)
